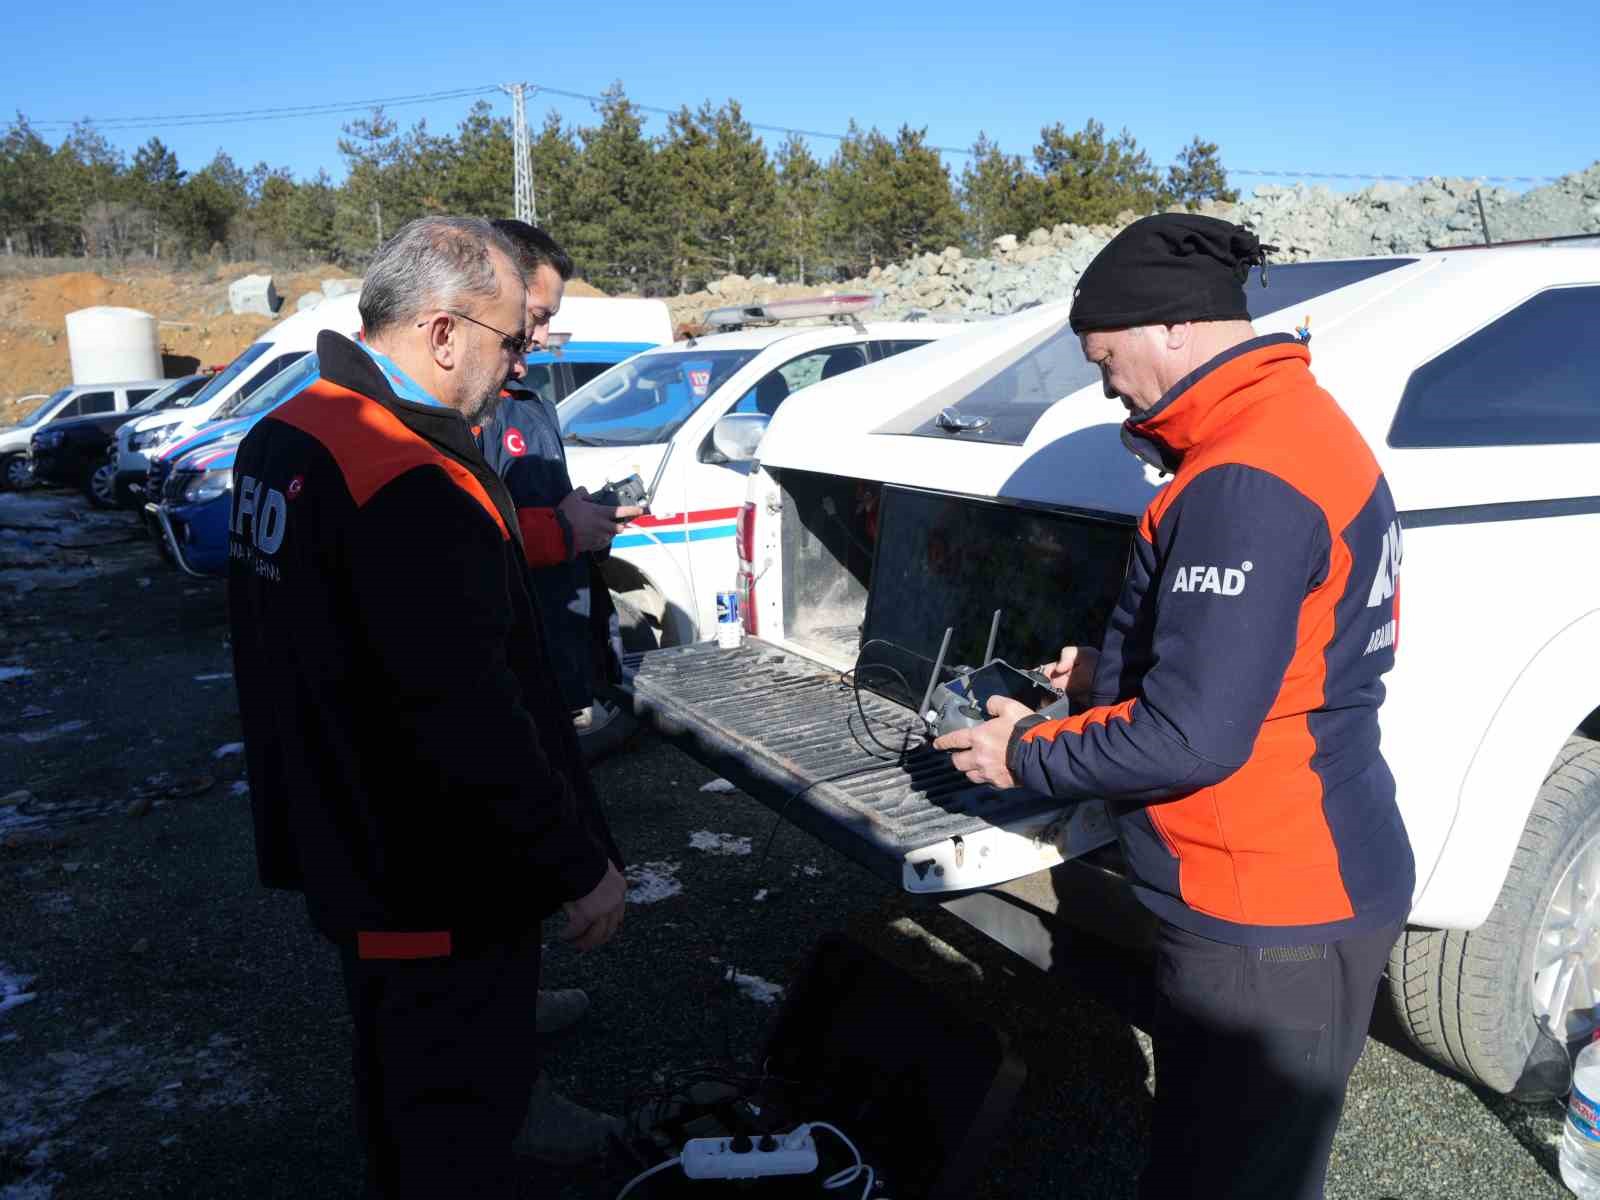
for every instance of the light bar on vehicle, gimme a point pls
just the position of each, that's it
(839, 306)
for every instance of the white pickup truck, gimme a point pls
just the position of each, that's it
(985, 472)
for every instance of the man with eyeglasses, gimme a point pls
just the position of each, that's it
(412, 770)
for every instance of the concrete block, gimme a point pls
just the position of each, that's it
(254, 294)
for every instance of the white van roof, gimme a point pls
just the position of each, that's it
(340, 314)
(607, 319)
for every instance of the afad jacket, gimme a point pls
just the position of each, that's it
(413, 768)
(1234, 719)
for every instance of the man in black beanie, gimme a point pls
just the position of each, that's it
(1231, 715)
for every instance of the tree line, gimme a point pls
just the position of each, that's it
(654, 215)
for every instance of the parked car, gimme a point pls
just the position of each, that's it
(77, 451)
(278, 348)
(661, 406)
(75, 400)
(1471, 374)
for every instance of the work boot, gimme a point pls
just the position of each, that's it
(563, 1134)
(559, 1009)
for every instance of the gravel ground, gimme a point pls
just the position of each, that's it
(187, 1034)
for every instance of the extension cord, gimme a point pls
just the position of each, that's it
(716, 1158)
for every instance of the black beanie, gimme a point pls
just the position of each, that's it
(1167, 269)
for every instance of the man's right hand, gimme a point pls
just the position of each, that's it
(1073, 672)
(594, 525)
(593, 920)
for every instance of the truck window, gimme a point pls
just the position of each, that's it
(797, 374)
(889, 348)
(92, 402)
(1530, 378)
(644, 400)
(1292, 284)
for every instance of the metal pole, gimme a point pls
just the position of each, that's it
(1482, 219)
(521, 154)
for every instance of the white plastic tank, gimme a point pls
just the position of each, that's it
(111, 345)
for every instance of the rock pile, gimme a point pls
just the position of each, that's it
(1302, 222)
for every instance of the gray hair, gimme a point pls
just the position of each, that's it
(431, 263)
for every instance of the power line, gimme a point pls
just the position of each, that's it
(242, 116)
(246, 115)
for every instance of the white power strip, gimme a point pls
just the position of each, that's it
(717, 1158)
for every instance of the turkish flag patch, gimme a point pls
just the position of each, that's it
(515, 444)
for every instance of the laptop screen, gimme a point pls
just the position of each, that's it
(944, 560)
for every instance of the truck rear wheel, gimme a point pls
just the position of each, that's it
(1472, 999)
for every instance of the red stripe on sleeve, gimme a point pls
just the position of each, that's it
(370, 944)
(544, 543)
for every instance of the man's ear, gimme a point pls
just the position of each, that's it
(1178, 335)
(441, 344)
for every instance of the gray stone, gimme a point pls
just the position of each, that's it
(340, 287)
(1039, 237)
(308, 300)
(254, 294)
(1005, 243)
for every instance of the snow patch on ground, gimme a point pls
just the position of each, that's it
(34, 736)
(23, 672)
(40, 1107)
(718, 843)
(718, 785)
(755, 988)
(230, 748)
(653, 881)
(14, 991)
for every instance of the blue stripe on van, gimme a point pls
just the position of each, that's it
(672, 535)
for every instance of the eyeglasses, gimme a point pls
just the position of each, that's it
(513, 343)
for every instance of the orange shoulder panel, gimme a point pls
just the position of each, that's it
(370, 444)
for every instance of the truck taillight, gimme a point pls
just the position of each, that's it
(745, 538)
(745, 541)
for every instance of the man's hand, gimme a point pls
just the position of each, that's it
(980, 753)
(1073, 672)
(593, 920)
(594, 525)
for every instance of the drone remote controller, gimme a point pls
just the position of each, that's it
(623, 493)
(962, 703)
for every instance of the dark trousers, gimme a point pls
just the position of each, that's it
(444, 1067)
(1254, 1050)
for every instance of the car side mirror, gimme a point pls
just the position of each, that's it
(738, 436)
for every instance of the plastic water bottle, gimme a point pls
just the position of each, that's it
(1580, 1137)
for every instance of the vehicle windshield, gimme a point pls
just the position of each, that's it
(157, 398)
(643, 401)
(44, 406)
(291, 381)
(227, 375)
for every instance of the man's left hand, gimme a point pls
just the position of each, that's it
(980, 752)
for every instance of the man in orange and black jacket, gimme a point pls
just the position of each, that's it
(412, 769)
(1232, 718)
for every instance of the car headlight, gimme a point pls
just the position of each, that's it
(209, 485)
(149, 438)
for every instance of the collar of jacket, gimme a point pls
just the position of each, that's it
(1209, 397)
(347, 365)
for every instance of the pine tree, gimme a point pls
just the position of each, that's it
(922, 212)
(724, 194)
(157, 181)
(1088, 179)
(25, 200)
(555, 156)
(1197, 176)
(801, 196)
(479, 183)
(620, 204)
(371, 152)
(990, 193)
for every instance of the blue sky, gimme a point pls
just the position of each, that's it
(1354, 87)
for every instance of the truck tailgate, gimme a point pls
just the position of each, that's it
(786, 730)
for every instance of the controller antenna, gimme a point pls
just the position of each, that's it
(994, 636)
(938, 665)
